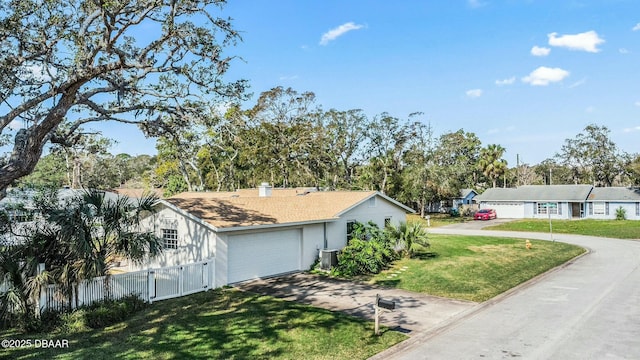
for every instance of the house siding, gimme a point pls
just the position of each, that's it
(630, 208)
(529, 210)
(199, 242)
(337, 230)
(196, 242)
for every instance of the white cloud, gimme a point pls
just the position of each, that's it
(624, 51)
(637, 27)
(543, 76)
(628, 130)
(338, 31)
(15, 125)
(590, 109)
(637, 103)
(508, 81)
(474, 93)
(37, 72)
(578, 83)
(586, 41)
(476, 3)
(540, 51)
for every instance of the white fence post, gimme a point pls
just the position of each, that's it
(43, 292)
(180, 280)
(152, 285)
(211, 273)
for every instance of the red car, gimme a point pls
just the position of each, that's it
(485, 214)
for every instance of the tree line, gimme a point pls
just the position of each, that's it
(287, 139)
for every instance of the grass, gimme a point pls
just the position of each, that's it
(220, 324)
(620, 229)
(474, 268)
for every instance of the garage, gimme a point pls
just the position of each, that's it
(506, 210)
(263, 254)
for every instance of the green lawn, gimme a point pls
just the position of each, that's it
(221, 324)
(620, 229)
(475, 268)
(437, 220)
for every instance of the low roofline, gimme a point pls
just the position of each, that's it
(377, 193)
(188, 215)
(268, 226)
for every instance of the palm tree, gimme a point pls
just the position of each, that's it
(88, 233)
(99, 231)
(491, 163)
(409, 237)
(21, 283)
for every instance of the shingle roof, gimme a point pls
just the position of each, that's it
(465, 192)
(245, 208)
(570, 193)
(621, 194)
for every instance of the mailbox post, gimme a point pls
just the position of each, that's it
(381, 304)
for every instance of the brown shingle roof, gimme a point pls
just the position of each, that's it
(246, 208)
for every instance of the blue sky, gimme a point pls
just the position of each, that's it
(524, 74)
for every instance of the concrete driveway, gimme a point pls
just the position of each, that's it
(414, 314)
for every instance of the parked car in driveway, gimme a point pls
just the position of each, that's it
(485, 214)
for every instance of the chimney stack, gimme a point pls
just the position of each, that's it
(264, 190)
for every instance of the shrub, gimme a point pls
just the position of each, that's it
(369, 252)
(621, 213)
(408, 237)
(107, 312)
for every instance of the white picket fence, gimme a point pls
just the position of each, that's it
(149, 285)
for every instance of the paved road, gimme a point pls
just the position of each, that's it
(590, 309)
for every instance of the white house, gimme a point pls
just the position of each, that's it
(561, 201)
(263, 232)
(602, 203)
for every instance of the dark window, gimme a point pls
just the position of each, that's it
(170, 238)
(350, 226)
(387, 221)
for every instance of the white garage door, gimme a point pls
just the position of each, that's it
(507, 210)
(263, 254)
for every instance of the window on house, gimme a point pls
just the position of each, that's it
(372, 202)
(638, 209)
(170, 238)
(552, 208)
(599, 208)
(21, 216)
(387, 221)
(350, 226)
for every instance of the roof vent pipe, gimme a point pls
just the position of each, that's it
(264, 190)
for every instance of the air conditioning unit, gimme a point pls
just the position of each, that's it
(328, 259)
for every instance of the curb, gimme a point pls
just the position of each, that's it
(455, 320)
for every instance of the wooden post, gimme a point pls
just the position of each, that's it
(377, 321)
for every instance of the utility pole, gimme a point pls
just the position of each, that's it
(517, 170)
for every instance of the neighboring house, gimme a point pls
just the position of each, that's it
(22, 212)
(561, 201)
(263, 232)
(466, 198)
